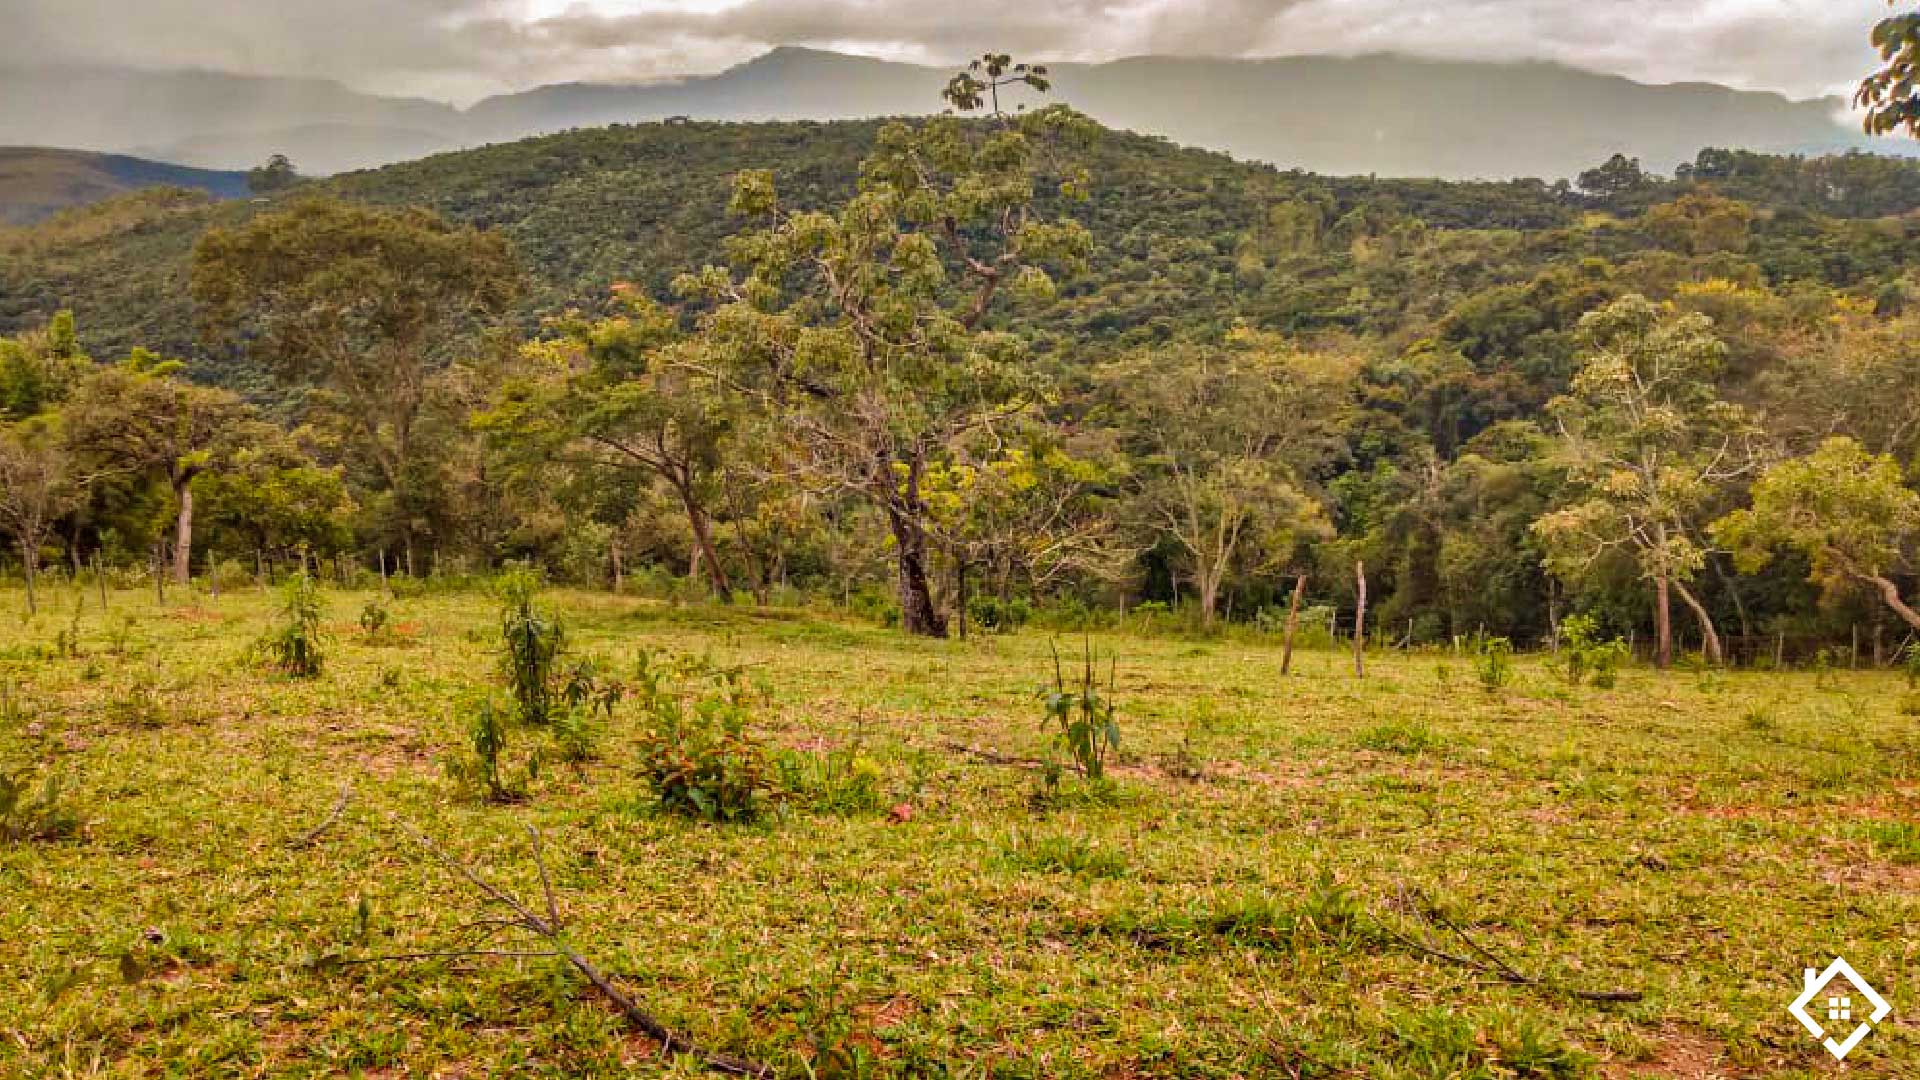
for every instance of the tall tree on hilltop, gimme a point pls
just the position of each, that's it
(869, 328)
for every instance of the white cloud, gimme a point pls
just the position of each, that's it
(464, 48)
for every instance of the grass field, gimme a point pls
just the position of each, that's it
(1264, 891)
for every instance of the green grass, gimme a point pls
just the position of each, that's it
(1229, 908)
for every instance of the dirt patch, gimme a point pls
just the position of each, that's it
(1679, 1053)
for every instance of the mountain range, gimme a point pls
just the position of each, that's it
(36, 183)
(1382, 115)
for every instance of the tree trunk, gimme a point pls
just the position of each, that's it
(1209, 598)
(1709, 640)
(183, 533)
(703, 545)
(29, 562)
(1890, 593)
(1360, 620)
(619, 567)
(1662, 625)
(1293, 623)
(960, 592)
(918, 615)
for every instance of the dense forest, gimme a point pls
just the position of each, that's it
(970, 371)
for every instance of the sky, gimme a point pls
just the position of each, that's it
(461, 50)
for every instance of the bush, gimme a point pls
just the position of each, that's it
(294, 648)
(375, 618)
(1493, 662)
(843, 781)
(993, 615)
(30, 814)
(1584, 657)
(697, 754)
(229, 576)
(1910, 663)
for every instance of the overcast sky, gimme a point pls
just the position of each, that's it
(463, 49)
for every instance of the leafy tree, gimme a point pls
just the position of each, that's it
(1619, 175)
(1848, 510)
(368, 303)
(38, 368)
(869, 328)
(269, 497)
(277, 174)
(1888, 95)
(1648, 446)
(626, 394)
(39, 482)
(1218, 477)
(142, 415)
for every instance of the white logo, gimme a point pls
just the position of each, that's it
(1839, 1006)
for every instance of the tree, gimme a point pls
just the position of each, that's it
(1219, 476)
(276, 175)
(1648, 445)
(371, 304)
(1849, 511)
(623, 395)
(868, 330)
(1889, 95)
(140, 415)
(271, 498)
(38, 368)
(1618, 175)
(39, 482)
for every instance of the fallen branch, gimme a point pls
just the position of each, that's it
(548, 927)
(307, 838)
(1486, 961)
(993, 757)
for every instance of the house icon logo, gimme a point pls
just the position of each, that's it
(1832, 995)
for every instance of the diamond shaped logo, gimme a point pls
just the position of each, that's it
(1839, 1006)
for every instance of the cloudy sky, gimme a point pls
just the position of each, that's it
(462, 49)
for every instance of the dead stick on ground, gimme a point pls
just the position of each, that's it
(307, 838)
(1490, 964)
(992, 757)
(550, 929)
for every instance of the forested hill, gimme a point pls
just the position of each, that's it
(1187, 242)
(36, 183)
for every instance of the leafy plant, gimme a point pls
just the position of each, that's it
(841, 781)
(532, 640)
(1081, 717)
(483, 769)
(27, 813)
(375, 618)
(294, 647)
(1584, 657)
(697, 754)
(1910, 663)
(1493, 662)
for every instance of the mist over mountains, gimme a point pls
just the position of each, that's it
(1382, 114)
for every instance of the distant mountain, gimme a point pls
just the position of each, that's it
(1383, 115)
(37, 183)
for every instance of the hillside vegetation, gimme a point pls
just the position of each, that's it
(37, 183)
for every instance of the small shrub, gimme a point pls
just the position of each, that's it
(698, 757)
(1910, 663)
(229, 576)
(375, 619)
(1081, 717)
(1399, 737)
(294, 648)
(993, 615)
(1584, 657)
(843, 781)
(532, 641)
(1493, 662)
(30, 813)
(1066, 855)
(483, 770)
(139, 705)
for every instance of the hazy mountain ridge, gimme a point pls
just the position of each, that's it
(1384, 115)
(36, 183)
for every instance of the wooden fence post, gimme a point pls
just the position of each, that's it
(1360, 620)
(1293, 623)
